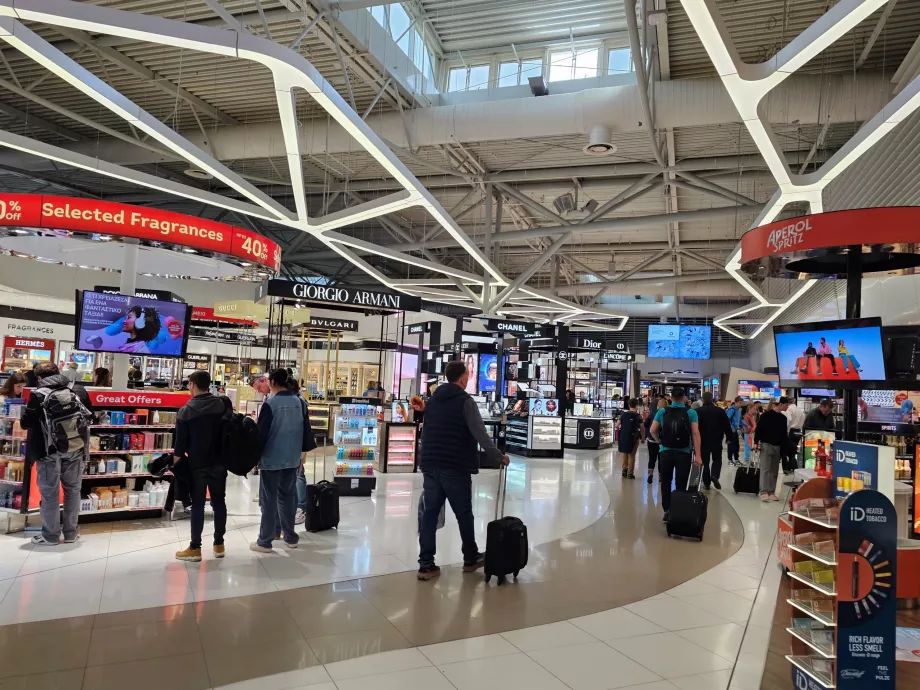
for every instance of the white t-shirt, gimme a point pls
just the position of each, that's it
(795, 418)
(71, 374)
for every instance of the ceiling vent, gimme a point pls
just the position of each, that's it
(198, 174)
(599, 143)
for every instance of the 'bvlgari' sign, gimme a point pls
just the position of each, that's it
(339, 295)
(333, 324)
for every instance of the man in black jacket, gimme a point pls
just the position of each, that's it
(714, 427)
(197, 440)
(821, 418)
(54, 469)
(771, 438)
(453, 427)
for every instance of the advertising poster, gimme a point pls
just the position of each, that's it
(862, 466)
(120, 323)
(472, 367)
(867, 568)
(544, 407)
(679, 342)
(488, 372)
(832, 354)
(811, 442)
(400, 411)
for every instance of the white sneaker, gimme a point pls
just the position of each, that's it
(254, 546)
(39, 540)
(179, 512)
(300, 517)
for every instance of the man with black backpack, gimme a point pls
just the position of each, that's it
(677, 430)
(199, 424)
(61, 411)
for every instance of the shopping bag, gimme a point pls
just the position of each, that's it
(442, 516)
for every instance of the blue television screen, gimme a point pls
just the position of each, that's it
(679, 341)
(839, 352)
(488, 372)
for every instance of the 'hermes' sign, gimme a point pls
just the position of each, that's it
(327, 294)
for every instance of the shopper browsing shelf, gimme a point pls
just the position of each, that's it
(57, 420)
(197, 440)
(259, 383)
(714, 427)
(652, 444)
(795, 418)
(13, 386)
(677, 430)
(449, 458)
(771, 438)
(734, 415)
(821, 418)
(284, 427)
(631, 433)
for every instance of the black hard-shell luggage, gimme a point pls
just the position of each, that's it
(747, 477)
(687, 517)
(506, 540)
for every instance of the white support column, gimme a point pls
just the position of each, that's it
(127, 286)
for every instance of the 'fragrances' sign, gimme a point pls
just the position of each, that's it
(339, 295)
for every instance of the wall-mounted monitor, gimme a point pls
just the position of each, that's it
(678, 341)
(488, 372)
(133, 325)
(818, 393)
(759, 390)
(847, 353)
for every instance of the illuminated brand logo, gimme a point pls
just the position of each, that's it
(563, 355)
(29, 343)
(344, 296)
(788, 236)
(847, 456)
(589, 433)
(587, 342)
(512, 327)
(889, 427)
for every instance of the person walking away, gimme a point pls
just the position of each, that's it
(632, 432)
(677, 430)
(748, 425)
(821, 418)
(652, 444)
(449, 459)
(795, 418)
(57, 419)
(284, 427)
(197, 444)
(300, 515)
(734, 415)
(714, 427)
(771, 438)
(824, 352)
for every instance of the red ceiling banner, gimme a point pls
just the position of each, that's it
(892, 225)
(207, 314)
(124, 220)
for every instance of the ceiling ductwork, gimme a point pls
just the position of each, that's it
(599, 143)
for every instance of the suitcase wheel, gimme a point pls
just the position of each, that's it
(516, 574)
(488, 576)
(501, 580)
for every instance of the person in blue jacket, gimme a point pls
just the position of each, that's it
(734, 418)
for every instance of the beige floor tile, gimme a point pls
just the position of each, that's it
(384, 662)
(669, 655)
(143, 641)
(228, 665)
(59, 680)
(314, 677)
(187, 672)
(545, 636)
(320, 594)
(55, 625)
(159, 613)
(352, 645)
(256, 626)
(501, 673)
(615, 623)
(44, 653)
(467, 649)
(338, 617)
(592, 666)
(415, 679)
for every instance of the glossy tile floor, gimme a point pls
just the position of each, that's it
(607, 600)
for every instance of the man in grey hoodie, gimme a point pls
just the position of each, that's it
(197, 442)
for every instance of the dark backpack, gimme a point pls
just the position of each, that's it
(240, 445)
(66, 419)
(675, 428)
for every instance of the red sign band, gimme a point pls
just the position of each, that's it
(125, 220)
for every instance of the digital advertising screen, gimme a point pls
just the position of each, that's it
(819, 392)
(400, 410)
(488, 372)
(842, 352)
(472, 366)
(543, 407)
(122, 323)
(679, 341)
(759, 390)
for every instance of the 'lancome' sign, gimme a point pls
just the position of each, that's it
(338, 295)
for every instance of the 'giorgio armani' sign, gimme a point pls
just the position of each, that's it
(339, 295)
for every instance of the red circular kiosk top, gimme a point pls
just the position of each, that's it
(125, 220)
(863, 226)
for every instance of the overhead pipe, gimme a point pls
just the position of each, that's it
(635, 48)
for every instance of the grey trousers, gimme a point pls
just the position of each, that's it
(769, 467)
(65, 469)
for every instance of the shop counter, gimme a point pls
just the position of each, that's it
(588, 433)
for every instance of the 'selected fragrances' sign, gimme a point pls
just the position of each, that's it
(124, 220)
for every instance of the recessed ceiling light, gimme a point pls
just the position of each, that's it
(203, 278)
(20, 231)
(105, 238)
(189, 250)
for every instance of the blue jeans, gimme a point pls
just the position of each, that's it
(456, 487)
(302, 488)
(278, 498)
(849, 362)
(747, 449)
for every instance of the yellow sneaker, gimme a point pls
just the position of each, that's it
(193, 555)
(218, 551)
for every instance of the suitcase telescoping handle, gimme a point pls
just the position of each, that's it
(502, 488)
(697, 470)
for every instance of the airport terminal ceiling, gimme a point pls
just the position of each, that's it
(419, 155)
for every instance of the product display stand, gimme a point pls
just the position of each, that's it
(843, 589)
(398, 451)
(356, 437)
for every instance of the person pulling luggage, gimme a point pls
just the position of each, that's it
(449, 459)
(677, 430)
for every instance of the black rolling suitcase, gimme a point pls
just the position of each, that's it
(687, 517)
(747, 477)
(322, 511)
(506, 539)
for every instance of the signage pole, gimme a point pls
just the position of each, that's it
(854, 304)
(422, 364)
(127, 286)
(306, 366)
(335, 375)
(562, 371)
(328, 360)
